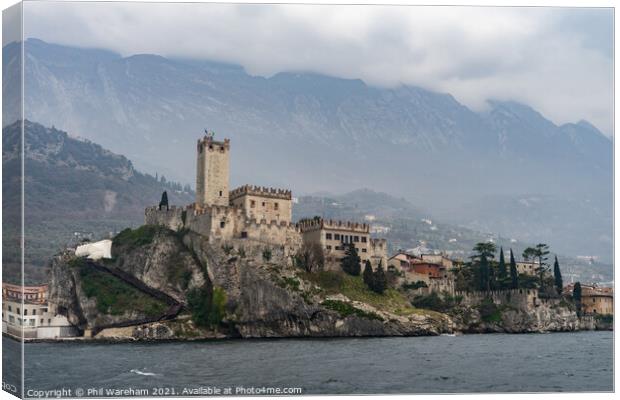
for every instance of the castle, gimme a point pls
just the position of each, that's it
(258, 214)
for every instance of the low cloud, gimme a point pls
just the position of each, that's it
(558, 60)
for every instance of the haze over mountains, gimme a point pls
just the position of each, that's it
(508, 170)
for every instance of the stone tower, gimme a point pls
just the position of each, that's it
(212, 172)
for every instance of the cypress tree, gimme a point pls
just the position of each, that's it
(502, 268)
(368, 275)
(557, 275)
(351, 261)
(380, 280)
(514, 274)
(164, 200)
(577, 297)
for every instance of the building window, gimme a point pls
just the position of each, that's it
(364, 239)
(356, 239)
(41, 321)
(49, 321)
(31, 322)
(210, 147)
(275, 206)
(222, 224)
(337, 236)
(18, 310)
(263, 204)
(220, 193)
(34, 312)
(363, 250)
(11, 319)
(252, 203)
(25, 311)
(328, 236)
(10, 309)
(328, 247)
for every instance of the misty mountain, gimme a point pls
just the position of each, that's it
(70, 186)
(312, 133)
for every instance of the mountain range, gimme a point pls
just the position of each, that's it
(507, 170)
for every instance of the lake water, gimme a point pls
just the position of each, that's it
(581, 361)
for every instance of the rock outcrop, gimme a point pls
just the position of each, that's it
(258, 304)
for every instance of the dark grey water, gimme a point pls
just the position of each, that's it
(470, 363)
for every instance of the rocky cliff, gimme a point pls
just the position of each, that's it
(263, 294)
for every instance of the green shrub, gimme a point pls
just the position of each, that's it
(286, 282)
(606, 318)
(136, 237)
(207, 307)
(414, 285)
(489, 311)
(346, 309)
(267, 255)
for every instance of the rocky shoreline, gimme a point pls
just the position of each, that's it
(254, 297)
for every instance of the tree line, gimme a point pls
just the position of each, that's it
(483, 273)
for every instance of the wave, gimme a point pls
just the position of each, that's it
(137, 371)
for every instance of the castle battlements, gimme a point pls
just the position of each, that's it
(210, 143)
(261, 191)
(307, 225)
(256, 213)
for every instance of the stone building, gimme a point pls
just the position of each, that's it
(257, 213)
(212, 173)
(594, 299)
(334, 236)
(26, 313)
(248, 212)
(261, 203)
(527, 267)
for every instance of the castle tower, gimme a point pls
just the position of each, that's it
(212, 172)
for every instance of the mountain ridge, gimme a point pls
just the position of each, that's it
(317, 133)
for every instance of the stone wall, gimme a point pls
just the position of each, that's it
(171, 217)
(518, 298)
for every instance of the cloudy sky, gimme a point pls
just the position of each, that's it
(558, 60)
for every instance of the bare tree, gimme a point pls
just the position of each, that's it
(311, 257)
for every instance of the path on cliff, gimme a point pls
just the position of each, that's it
(173, 310)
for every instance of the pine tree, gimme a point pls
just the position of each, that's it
(164, 200)
(577, 297)
(557, 275)
(351, 261)
(368, 275)
(514, 274)
(379, 279)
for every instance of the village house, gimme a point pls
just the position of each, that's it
(594, 299)
(427, 268)
(27, 314)
(527, 267)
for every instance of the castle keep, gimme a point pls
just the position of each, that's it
(256, 213)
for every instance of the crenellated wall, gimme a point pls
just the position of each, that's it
(518, 298)
(171, 217)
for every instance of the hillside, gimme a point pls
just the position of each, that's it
(71, 185)
(319, 133)
(410, 228)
